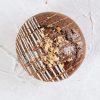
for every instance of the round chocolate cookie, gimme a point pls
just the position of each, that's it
(50, 46)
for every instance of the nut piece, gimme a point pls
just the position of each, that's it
(58, 29)
(69, 59)
(60, 39)
(61, 65)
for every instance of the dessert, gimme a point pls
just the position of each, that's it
(50, 46)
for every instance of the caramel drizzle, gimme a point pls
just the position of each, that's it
(37, 28)
(58, 21)
(24, 47)
(48, 18)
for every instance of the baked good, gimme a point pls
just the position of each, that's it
(50, 46)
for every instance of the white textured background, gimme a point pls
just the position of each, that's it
(84, 84)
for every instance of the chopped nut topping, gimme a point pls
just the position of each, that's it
(56, 49)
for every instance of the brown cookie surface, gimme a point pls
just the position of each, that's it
(50, 46)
